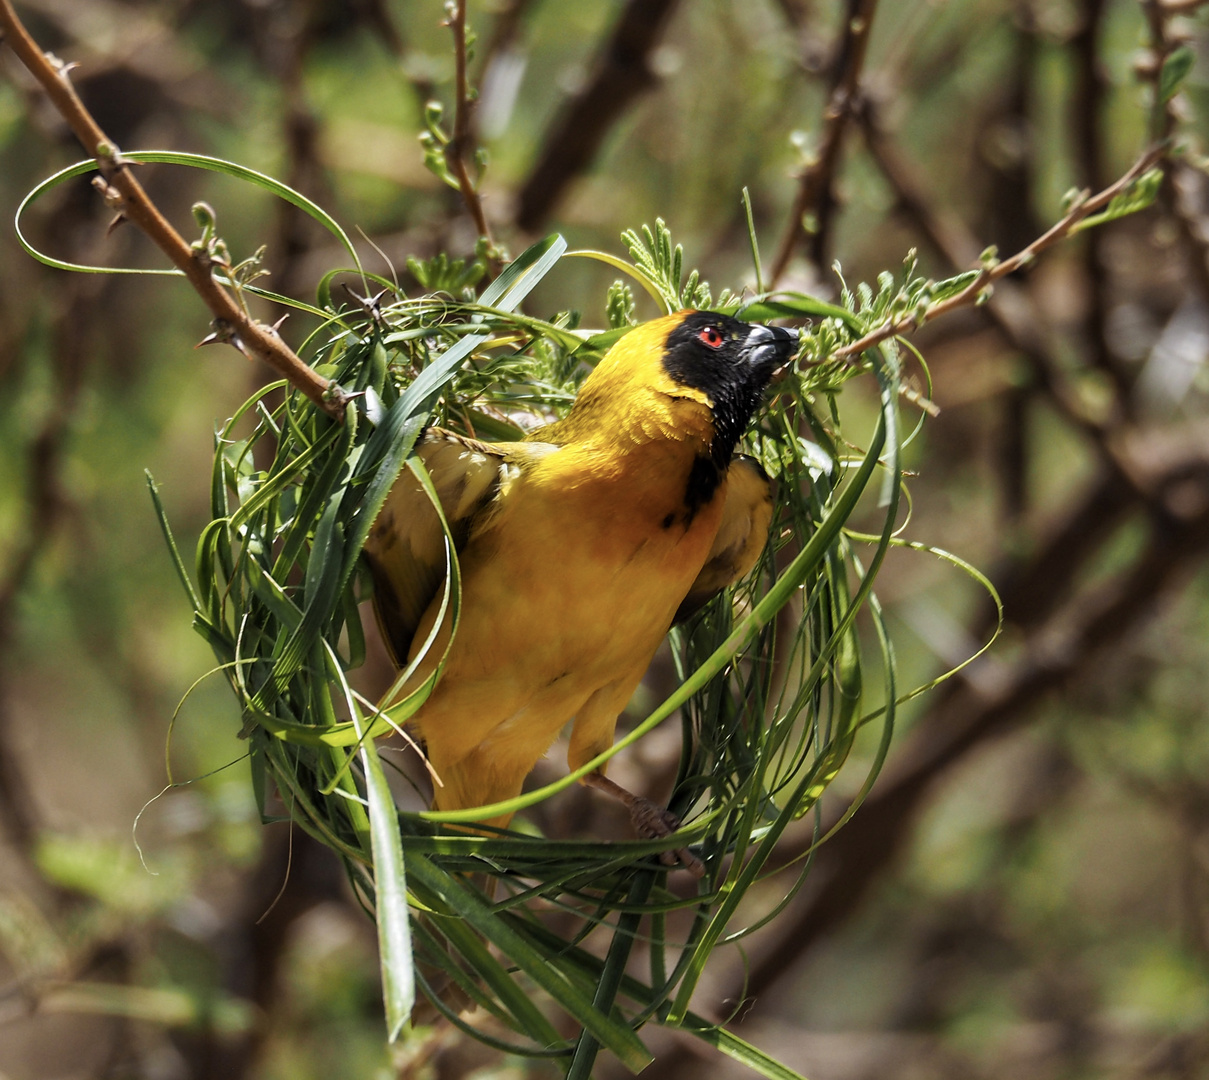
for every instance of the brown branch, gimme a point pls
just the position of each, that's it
(125, 194)
(1009, 217)
(458, 146)
(815, 198)
(1193, 223)
(1084, 208)
(1162, 44)
(623, 73)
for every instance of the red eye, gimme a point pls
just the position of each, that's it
(711, 336)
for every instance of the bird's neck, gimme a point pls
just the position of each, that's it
(627, 423)
(655, 449)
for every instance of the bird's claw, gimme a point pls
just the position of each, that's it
(654, 823)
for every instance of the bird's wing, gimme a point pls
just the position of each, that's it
(746, 516)
(406, 545)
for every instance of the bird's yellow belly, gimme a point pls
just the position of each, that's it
(558, 601)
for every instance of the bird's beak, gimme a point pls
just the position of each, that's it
(770, 347)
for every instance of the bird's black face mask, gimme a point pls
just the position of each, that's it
(731, 361)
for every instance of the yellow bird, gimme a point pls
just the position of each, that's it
(579, 547)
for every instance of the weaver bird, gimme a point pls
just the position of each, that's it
(579, 547)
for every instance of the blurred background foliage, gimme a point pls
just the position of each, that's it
(1026, 893)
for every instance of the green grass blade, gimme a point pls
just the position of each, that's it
(173, 551)
(522, 275)
(196, 161)
(629, 269)
(471, 906)
(734, 1047)
(815, 779)
(526, 1016)
(614, 968)
(390, 896)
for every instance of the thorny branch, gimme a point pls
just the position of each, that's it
(812, 208)
(126, 195)
(459, 144)
(1011, 308)
(1083, 208)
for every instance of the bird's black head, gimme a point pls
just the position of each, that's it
(731, 362)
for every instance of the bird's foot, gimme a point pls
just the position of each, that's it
(654, 822)
(650, 821)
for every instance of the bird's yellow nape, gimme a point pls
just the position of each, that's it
(637, 360)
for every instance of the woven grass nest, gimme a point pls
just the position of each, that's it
(776, 678)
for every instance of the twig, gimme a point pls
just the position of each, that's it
(815, 198)
(459, 144)
(1011, 308)
(1060, 231)
(125, 194)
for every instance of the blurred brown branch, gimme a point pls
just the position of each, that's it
(815, 201)
(46, 511)
(1185, 182)
(44, 503)
(126, 195)
(623, 73)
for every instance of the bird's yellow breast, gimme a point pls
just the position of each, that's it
(572, 584)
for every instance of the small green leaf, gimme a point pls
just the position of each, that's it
(619, 305)
(1138, 196)
(1175, 70)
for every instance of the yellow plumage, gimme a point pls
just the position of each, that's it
(577, 546)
